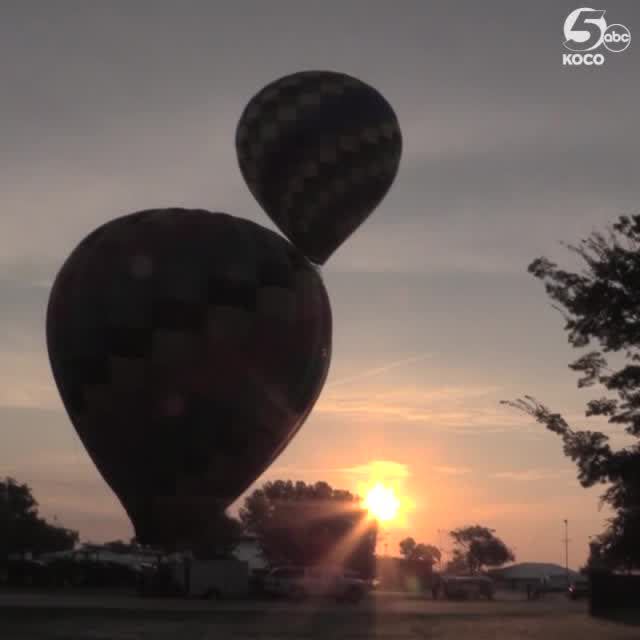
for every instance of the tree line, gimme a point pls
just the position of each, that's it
(22, 529)
(295, 523)
(600, 305)
(476, 548)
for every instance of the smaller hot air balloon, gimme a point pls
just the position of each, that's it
(318, 150)
(188, 348)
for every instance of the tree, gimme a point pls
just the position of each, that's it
(601, 309)
(477, 547)
(306, 524)
(22, 529)
(407, 547)
(457, 565)
(414, 552)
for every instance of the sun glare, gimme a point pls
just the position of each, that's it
(382, 503)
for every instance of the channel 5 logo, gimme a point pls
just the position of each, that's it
(586, 31)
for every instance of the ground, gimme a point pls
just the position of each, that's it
(34, 616)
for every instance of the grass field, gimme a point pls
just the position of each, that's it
(94, 617)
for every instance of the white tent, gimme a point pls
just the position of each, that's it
(535, 572)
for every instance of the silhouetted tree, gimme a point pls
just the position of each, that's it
(414, 552)
(601, 309)
(407, 546)
(306, 524)
(479, 547)
(21, 527)
(457, 565)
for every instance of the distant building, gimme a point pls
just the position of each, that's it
(518, 576)
(101, 553)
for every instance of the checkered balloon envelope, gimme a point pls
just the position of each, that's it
(319, 150)
(188, 348)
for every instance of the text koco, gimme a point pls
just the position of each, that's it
(573, 59)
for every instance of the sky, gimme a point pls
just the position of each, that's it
(113, 107)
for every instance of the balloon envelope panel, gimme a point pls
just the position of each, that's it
(318, 150)
(188, 348)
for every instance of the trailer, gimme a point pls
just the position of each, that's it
(466, 587)
(182, 575)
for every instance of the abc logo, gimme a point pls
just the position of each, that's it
(616, 38)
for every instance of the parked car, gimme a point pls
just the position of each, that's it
(257, 579)
(27, 572)
(578, 590)
(79, 570)
(298, 583)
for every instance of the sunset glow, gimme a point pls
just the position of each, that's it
(382, 503)
(373, 372)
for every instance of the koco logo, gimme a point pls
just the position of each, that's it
(586, 31)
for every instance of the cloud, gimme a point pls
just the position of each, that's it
(26, 381)
(376, 371)
(453, 471)
(380, 469)
(521, 510)
(461, 409)
(532, 475)
(62, 466)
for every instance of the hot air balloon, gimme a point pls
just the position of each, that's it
(188, 348)
(318, 150)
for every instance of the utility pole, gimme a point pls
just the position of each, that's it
(385, 538)
(7, 524)
(566, 548)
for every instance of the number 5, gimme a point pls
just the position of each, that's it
(587, 21)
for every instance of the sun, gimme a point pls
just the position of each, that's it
(382, 503)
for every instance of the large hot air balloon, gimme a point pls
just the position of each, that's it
(188, 348)
(318, 150)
